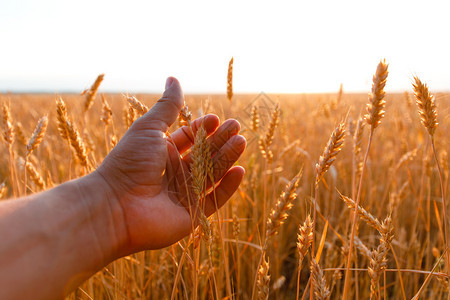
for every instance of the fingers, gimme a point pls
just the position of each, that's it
(227, 156)
(224, 190)
(220, 137)
(182, 137)
(166, 109)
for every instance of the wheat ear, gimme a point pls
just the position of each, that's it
(92, 92)
(321, 290)
(35, 176)
(426, 105)
(266, 142)
(304, 239)
(230, 80)
(140, 107)
(334, 146)
(38, 135)
(61, 115)
(375, 107)
(8, 130)
(363, 214)
(280, 212)
(185, 116)
(378, 261)
(77, 143)
(263, 279)
(255, 118)
(106, 111)
(20, 135)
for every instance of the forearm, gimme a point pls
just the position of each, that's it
(53, 241)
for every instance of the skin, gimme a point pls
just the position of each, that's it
(136, 200)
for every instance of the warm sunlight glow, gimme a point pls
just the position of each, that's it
(283, 47)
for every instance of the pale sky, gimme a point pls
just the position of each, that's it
(278, 46)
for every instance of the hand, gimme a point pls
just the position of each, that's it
(147, 175)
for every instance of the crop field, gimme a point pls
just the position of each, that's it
(290, 227)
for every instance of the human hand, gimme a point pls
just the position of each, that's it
(147, 175)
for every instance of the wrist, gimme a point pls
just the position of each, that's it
(106, 216)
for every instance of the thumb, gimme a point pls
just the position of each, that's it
(162, 115)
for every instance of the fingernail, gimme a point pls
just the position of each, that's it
(169, 82)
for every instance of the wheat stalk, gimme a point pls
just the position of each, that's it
(373, 117)
(428, 116)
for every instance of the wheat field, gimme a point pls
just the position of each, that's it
(289, 226)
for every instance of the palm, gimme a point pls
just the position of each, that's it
(148, 177)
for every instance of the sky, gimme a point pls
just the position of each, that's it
(278, 46)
